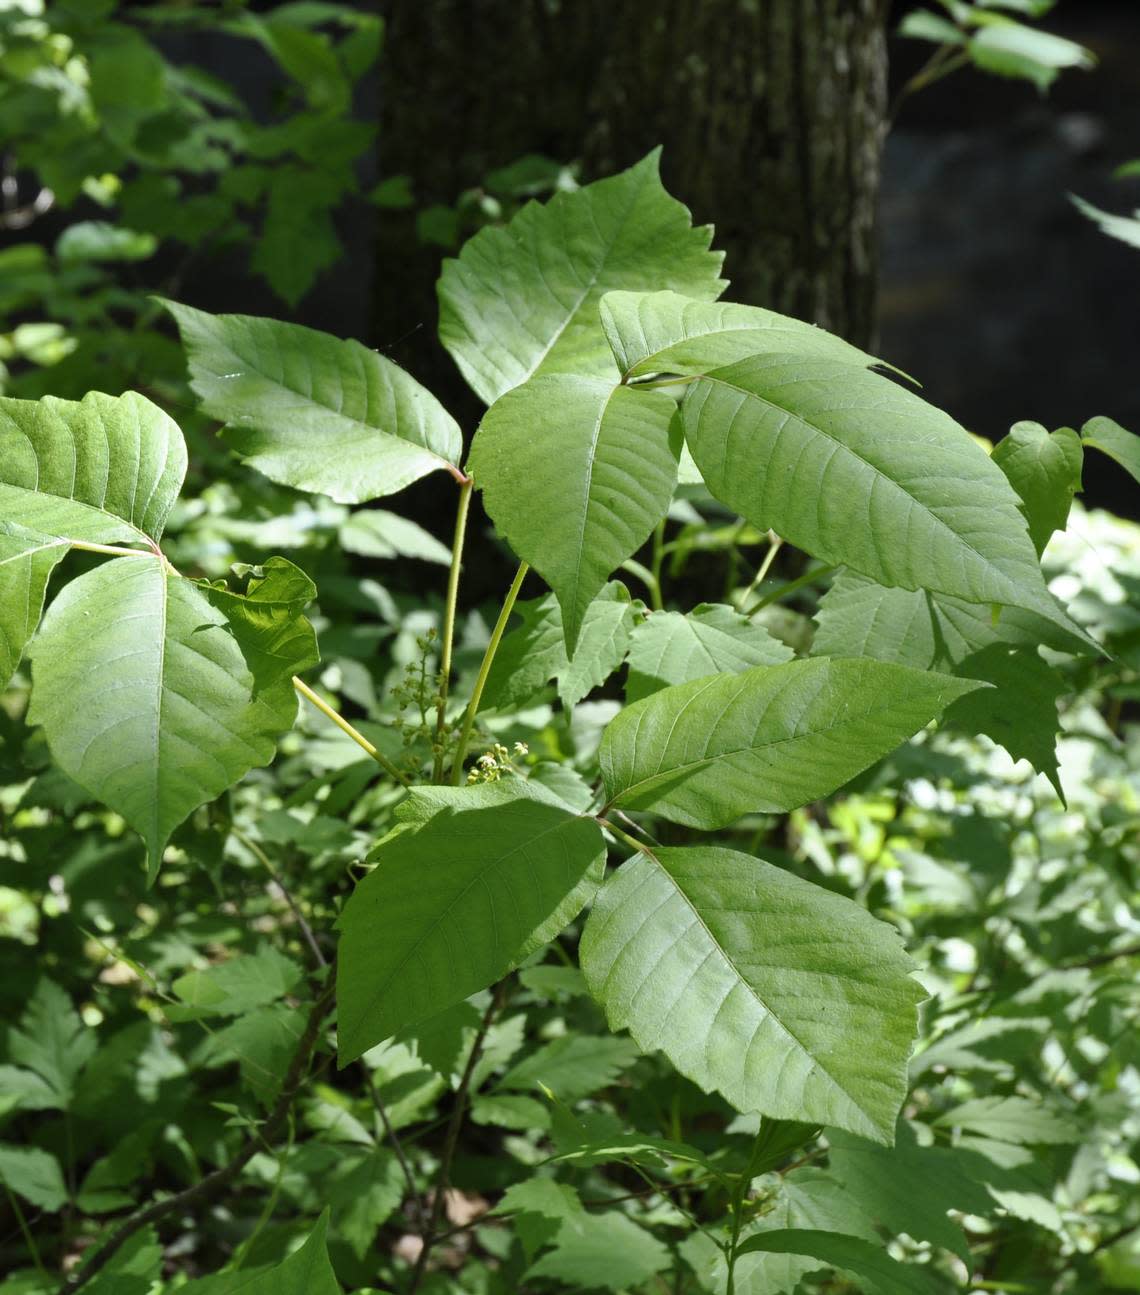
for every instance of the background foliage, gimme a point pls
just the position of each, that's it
(152, 1027)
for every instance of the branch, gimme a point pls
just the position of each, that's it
(432, 1236)
(214, 1182)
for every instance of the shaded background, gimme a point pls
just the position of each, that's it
(997, 294)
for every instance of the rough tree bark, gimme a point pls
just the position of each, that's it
(771, 113)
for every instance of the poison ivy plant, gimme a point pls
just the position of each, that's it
(883, 1001)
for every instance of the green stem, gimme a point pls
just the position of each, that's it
(675, 381)
(115, 550)
(631, 841)
(737, 1221)
(647, 578)
(484, 671)
(775, 544)
(790, 588)
(655, 566)
(29, 1237)
(346, 728)
(941, 63)
(449, 626)
(299, 917)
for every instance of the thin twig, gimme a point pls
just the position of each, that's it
(790, 588)
(299, 917)
(382, 1112)
(432, 1236)
(484, 671)
(214, 1182)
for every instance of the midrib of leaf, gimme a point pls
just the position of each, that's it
(154, 863)
(28, 553)
(365, 432)
(717, 947)
(841, 447)
(591, 283)
(591, 457)
(100, 511)
(707, 760)
(480, 878)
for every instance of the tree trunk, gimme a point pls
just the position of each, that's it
(771, 113)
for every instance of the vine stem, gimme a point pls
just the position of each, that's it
(345, 727)
(214, 1182)
(449, 624)
(484, 672)
(451, 1138)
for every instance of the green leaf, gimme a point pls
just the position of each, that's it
(306, 1271)
(262, 1042)
(857, 617)
(864, 1260)
(510, 1111)
(540, 1206)
(1045, 470)
(534, 653)
(27, 560)
(305, 56)
(1012, 1119)
(363, 1195)
(1124, 228)
(374, 533)
(453, 906)
(859, 471)
(921, 25)
(145, 697)
(1012, 49)
(1111, 439)
(266, 619)
(523, 298)
(104, 469)
(637, 1149)
(767, 740)
(33, 1174)
(908, 1188)
(52, 1040)
(664, 332)
(671, 648)
(575, 473)
(1020, 711)
(314, 412)
(757, 985)
(24, 1090)
(807, 1198)
(96, 240)
(573, 1066)
(240, 985)
(601, 1252)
